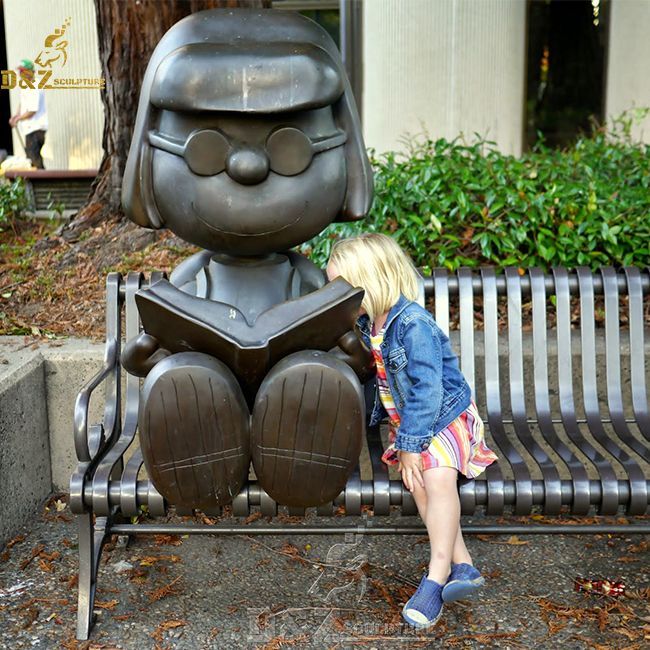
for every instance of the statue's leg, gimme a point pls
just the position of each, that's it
(307, 428)
(194, 430)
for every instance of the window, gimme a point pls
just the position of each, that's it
(567, 44)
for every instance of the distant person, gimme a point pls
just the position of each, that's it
(31, 117)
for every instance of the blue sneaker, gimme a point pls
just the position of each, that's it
(463, 581)
(425, 606)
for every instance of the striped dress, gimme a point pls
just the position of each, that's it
(461, 444)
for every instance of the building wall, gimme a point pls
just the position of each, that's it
(76, 116)
(444, 68)
(629, 61)
(437, 67)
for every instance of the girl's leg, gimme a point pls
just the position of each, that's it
(420, 497)
(442, 519)
(460, 553)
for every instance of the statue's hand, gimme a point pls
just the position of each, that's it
(141, 354)
(352, 351)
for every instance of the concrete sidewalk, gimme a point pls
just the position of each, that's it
(318, 591)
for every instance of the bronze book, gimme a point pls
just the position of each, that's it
(181, 322)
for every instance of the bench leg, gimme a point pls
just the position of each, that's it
(91, 540)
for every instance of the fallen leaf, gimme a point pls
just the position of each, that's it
(641, 547)
(208, 521)
(18, 539)
(167, 540)
(35, 552)
(106, 604)
(512, 540)
(49, 557)
(157, 634)
(163, 592)
(138, 575)
(150, 560)
(292, 552)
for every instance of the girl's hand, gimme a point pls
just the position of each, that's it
(410, 465)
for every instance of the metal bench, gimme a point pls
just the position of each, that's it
(565, 402)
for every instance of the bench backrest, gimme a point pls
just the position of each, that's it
(558, 367)
(508, 328)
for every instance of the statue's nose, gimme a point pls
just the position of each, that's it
(247, 165)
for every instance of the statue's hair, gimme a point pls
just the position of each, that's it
(378, 265)
(216, 26)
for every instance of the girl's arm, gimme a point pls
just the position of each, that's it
(423, 399)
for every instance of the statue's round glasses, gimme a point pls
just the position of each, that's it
(289, 150)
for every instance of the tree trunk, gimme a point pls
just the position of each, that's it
(128, 32)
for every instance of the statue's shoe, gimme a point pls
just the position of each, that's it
(194, 431)
(307, 428)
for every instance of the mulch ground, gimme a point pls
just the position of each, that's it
(50, 287)
(174, 592)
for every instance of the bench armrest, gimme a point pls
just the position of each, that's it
(81, 441)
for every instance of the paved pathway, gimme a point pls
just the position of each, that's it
(318, 592)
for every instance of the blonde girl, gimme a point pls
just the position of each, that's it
(435, 430)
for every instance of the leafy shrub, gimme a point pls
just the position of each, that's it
(13, 201)
(457, 204)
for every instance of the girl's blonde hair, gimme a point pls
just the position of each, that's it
(377, 264)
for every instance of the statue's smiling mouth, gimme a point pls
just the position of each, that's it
(262, 233)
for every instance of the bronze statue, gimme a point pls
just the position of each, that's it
(247, 143)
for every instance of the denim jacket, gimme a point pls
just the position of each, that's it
(425, 381)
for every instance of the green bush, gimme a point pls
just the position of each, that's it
(456, 204)
(13, 201)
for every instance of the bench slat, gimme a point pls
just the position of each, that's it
(638, 493)
(637, 361)
(565, 373)
(610, 499)
(441, 295)
(580, 504)
(517, 394)
(466, 300)
(494, 473)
